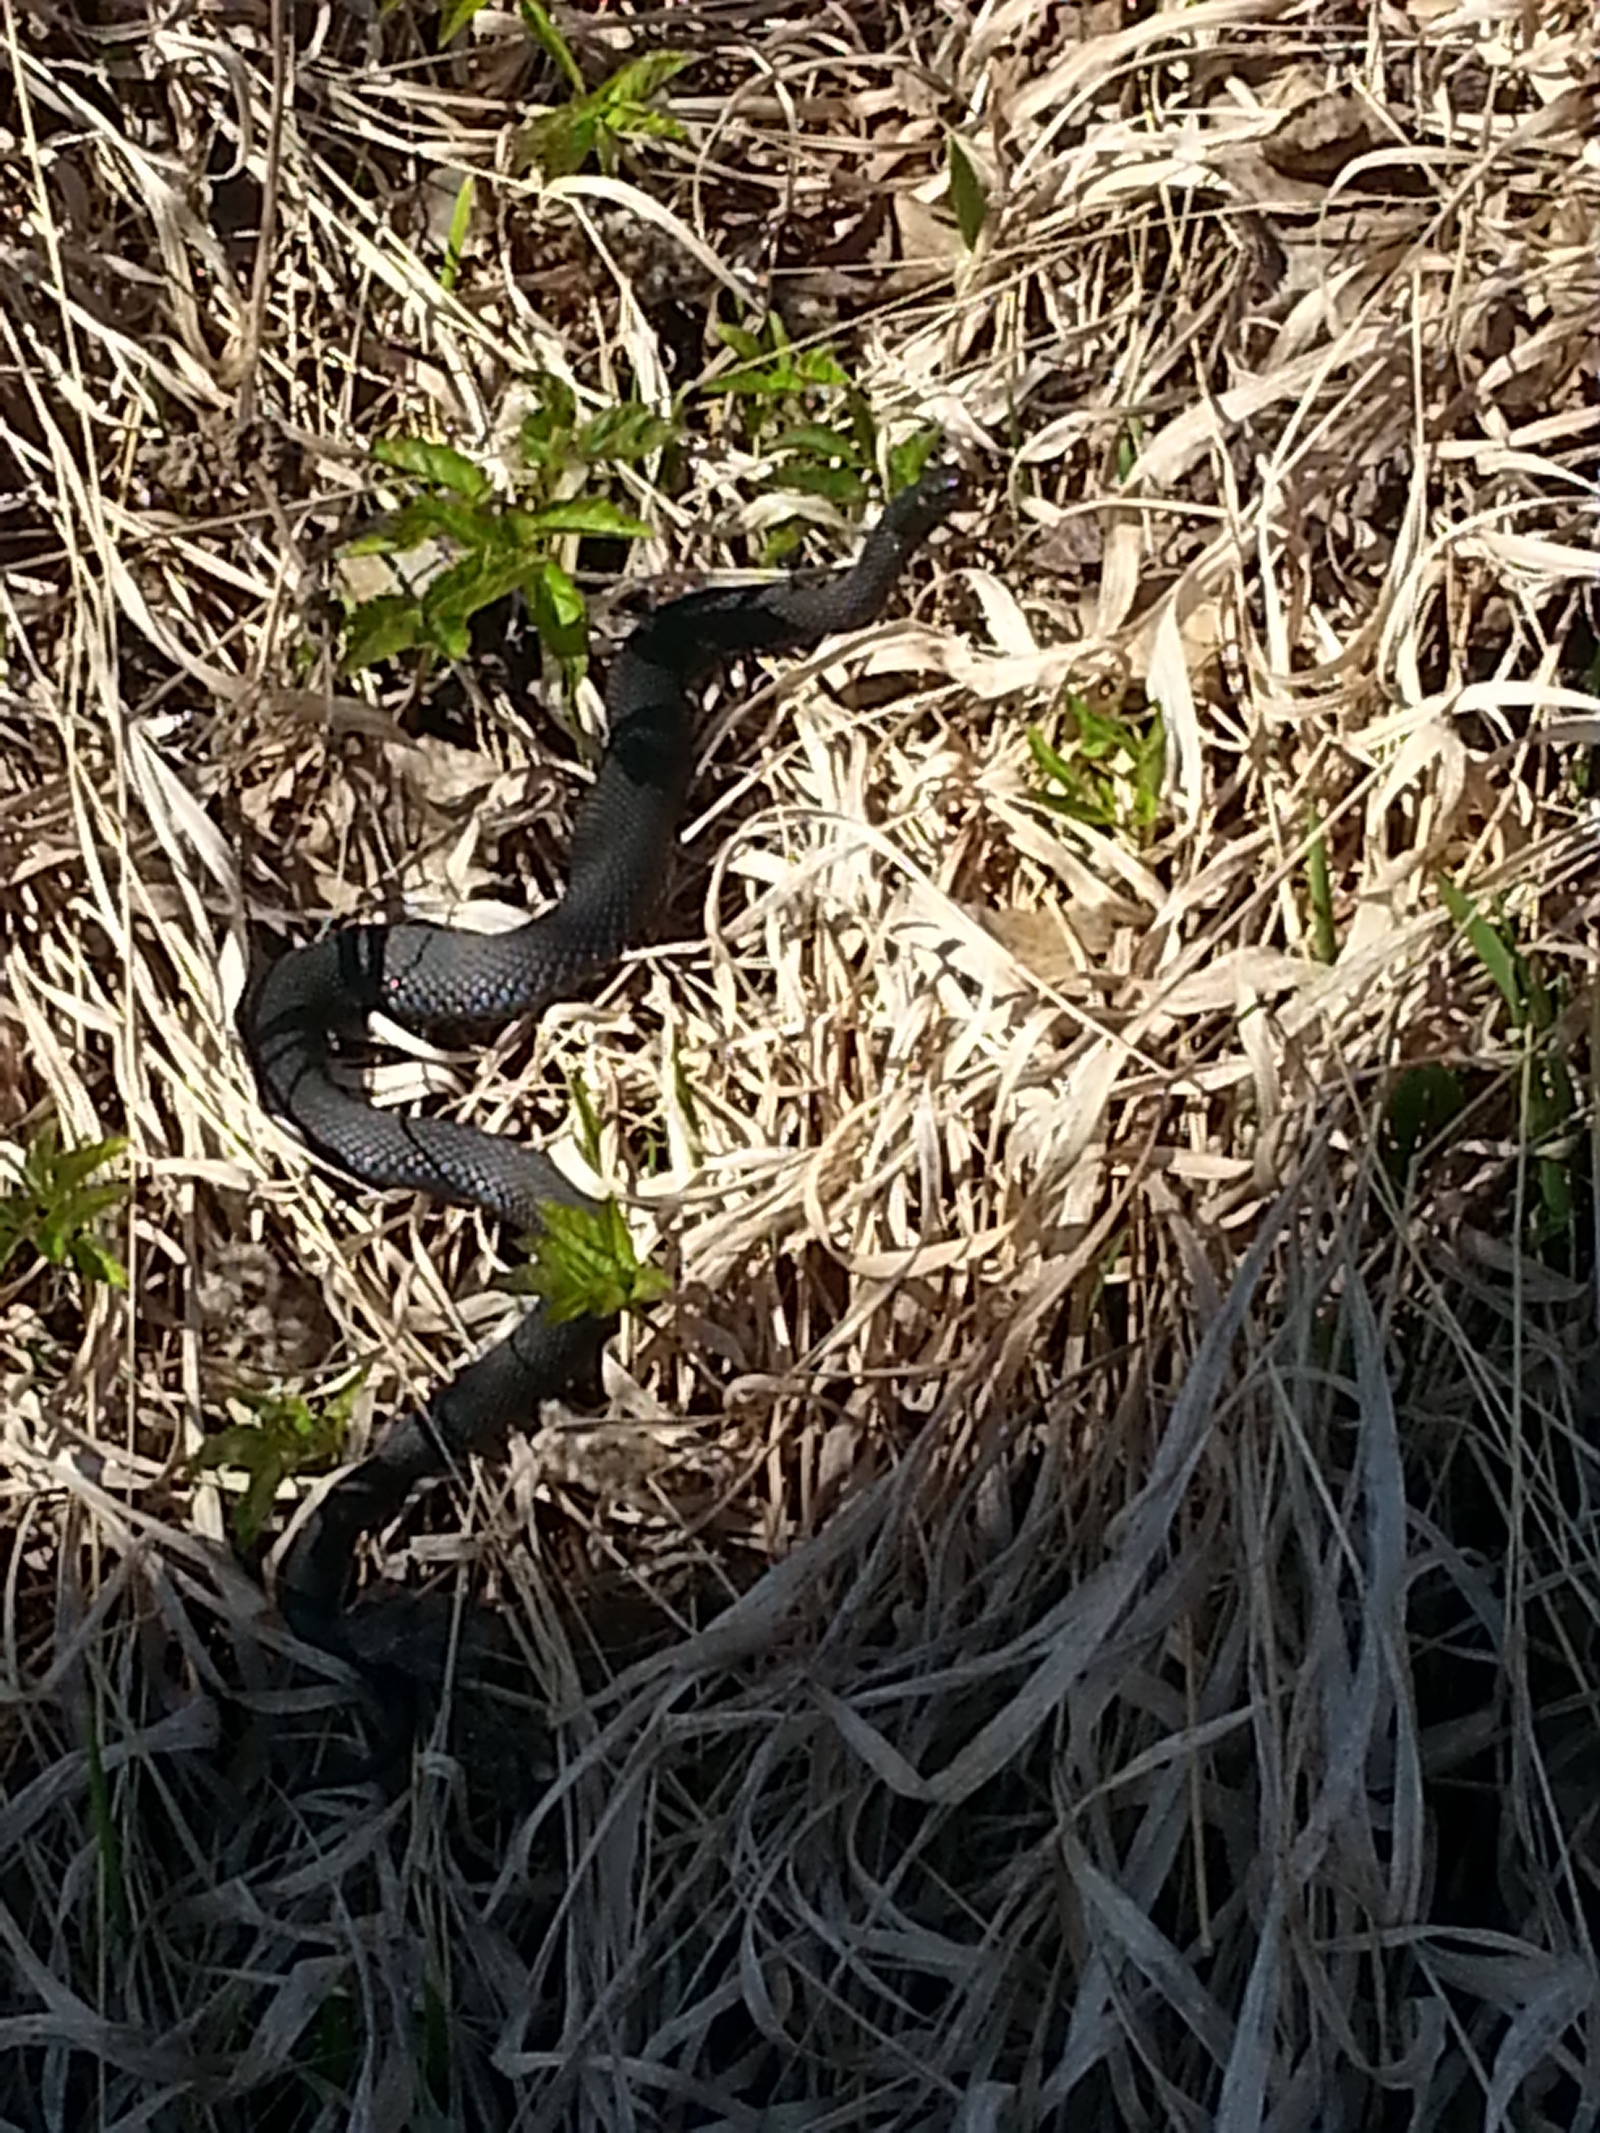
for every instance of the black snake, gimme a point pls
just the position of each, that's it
(316, 997)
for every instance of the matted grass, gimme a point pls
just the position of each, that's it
(1081, 1610)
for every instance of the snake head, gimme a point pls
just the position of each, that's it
(912, 513)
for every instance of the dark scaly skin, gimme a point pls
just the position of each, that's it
(426, 975)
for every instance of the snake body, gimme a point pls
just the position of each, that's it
(314, 998)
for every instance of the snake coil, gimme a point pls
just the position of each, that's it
(422, 976)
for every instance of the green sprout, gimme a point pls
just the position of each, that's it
(54, 1211)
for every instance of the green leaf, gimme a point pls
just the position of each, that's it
(541, 448)
(455, 19)
(908, 460)
(639, 79)
(1113, 777)
(477, 581)
(55, 1209)
(967, 195)
(841, 485)
(423, 519)
(1563, 1097)
(63, 1218)
(588, 1119)
(39, 1160)
(1319, 890)
(519, 539)
(468, 525)
(566, 602)
(1487, 945)
(1541, 1008)
(583, 1265)
(1150, 770)
(621, 435)
(379, 629)
(1050, 760)
(557, 400)
(787, 370)
(69, 1167)
(458, 593)
(546, 435)
(1082, 804)
(768, 377)
(289, 1436)
(241, 1444)
(258, 1452)
(1099, 735)
(1083, 797)
(536, 21)
(1555, 1193)
(586, 514)
(460, 226)
(94, 1261)
(635, 122)
(781, 541)
(441, 464)
(558, 611)
(558, 142)
(420, 519)
(864, 430)
(820, 366)
(745, 344)
(1130, 443)
(251, 1511)
(817, 439)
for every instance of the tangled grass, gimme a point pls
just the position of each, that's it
(1082, 1608)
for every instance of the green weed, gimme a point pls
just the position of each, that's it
(593, 122)
(1319, 894)
(500, 544)
(455, 242)
(588, 1119)
(288, 1436)
(1107, 771)
(1130, 443)
(53, 1210)
(583, 1264)
(1533, 1009)
(967, 195)
(801, 408)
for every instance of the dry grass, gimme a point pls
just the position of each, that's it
(1083, 1609)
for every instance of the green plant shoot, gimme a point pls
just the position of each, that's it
(1107, 773)
(288, 1436)
(583, 1264)
(500, 544)
(54, 1211)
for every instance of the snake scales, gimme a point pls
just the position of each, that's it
(316, 998)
